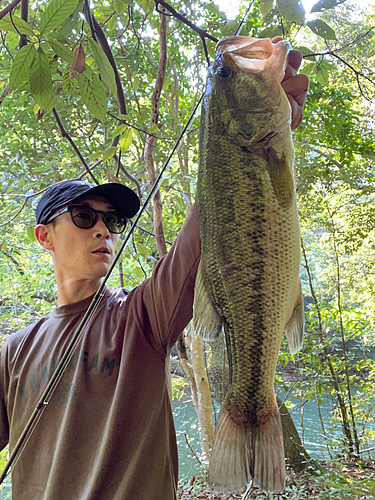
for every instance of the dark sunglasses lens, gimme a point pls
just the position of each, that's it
(115, 222)
(84, 217)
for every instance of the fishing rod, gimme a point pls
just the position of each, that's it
(64, 361)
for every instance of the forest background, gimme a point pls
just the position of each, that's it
(102, 91)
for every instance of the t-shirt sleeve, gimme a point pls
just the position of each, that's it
(4, 382)
(168, 294)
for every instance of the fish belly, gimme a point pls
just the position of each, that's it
(250, 268)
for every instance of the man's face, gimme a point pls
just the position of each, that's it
(82, 254)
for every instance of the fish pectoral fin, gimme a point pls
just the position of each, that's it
(246, 452)
(295, 327)
(206, 321)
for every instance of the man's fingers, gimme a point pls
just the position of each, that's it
(295, 59)
(297, 87)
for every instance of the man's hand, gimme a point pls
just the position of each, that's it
(295, 86)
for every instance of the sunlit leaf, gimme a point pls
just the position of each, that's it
(154, 129)
(126, 140)
(18, 25)
(56, 13)
(40, 79)
(326, 4)
(21, 65)
(104, 66)
(109, 153)
(322, 75)
(322, 29)
(119, 130)
(291, 10)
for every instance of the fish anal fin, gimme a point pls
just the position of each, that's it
(206, 321)
(294, 329)
(242, 453)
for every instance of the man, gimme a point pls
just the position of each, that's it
(107, 432)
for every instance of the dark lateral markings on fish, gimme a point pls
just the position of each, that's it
(248, 277)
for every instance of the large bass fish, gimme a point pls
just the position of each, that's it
(248, 277)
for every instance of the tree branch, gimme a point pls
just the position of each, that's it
(25, 17)
(65, 134)
(150, 139)
(8, 8)
(202, 33)
(99, 35)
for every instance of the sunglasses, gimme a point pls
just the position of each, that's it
(86, 217)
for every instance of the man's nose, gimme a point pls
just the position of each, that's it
(101, 229)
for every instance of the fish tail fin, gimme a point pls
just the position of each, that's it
(242, 453)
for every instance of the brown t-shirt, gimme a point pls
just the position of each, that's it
(107, 432)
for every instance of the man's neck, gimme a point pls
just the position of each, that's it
(71, 291)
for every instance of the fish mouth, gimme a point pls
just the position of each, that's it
(253, 55)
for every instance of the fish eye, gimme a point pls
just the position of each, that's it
(224, 72)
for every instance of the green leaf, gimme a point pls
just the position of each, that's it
(64, 52)
(104, 66)
(31, 234)
(212, 7)
(265, 6)
(139, 273)
(154, 129)
(147, 5)
(322, 29)
(309, 68)
(21, 65)
(123, 117)
(325, 4)
(126, 140)
(304, 50)
(21, 25)
(119, 130)
(142, 249)
(120, 7)
(270, 32)
(56, 13)
(40, 79)
(93, 93)
(322, 75)
(136, 83)
(68, 84)
(291, 10)
(112, 23)
(109, 153)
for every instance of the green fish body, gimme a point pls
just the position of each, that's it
(248, 277)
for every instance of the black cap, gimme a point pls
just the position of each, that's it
(123, 199)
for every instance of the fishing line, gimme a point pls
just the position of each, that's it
(92, 308)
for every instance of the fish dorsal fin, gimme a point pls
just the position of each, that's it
(295, 327)
(206, 321)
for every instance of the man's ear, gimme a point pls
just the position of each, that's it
(42, 234)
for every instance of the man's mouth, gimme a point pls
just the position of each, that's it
(102, 250)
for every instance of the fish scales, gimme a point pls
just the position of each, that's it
(248, 278)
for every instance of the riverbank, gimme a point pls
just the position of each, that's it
(344, 479)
